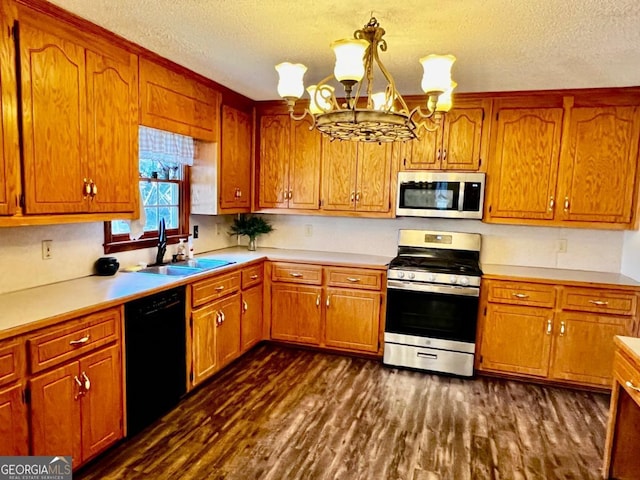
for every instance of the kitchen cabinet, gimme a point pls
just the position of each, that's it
(235, 160)
(459, 142)
(356, 177)
(352, 319)
(252, 306)
(178, 103)
(79, 114)
(288, 167)
(14, 432)
(557, 332)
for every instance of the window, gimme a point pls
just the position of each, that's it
(164, 160)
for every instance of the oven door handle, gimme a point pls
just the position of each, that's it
(432, 288)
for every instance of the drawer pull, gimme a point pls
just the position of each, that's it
(520, 295)
(429, 356)
(549, 327)
(599, 303)
(80, 341)
(220, 288)
(630, 385)
(353, 279)
(296, 274)
(253, 277)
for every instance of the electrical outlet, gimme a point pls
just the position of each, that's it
(562, 245)
(47, 252)
(196, 231)
(308, 230)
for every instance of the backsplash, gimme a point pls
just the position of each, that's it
(75, 247)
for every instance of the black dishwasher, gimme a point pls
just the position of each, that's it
(155, 346)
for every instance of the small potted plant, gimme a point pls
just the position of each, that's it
(251, 226)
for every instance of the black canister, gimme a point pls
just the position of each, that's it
(107, 265)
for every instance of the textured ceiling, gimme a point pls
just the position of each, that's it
(500, 44)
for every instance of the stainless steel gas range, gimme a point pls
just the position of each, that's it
(433, 290)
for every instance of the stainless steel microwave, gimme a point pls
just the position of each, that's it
(440, 194)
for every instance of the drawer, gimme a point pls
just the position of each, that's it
(624, 371)
(10, 356)
(599, 301)
(354, 278)
(213, 288)
(73, 339)
(252, 276)
(296, 273)
(522, 294)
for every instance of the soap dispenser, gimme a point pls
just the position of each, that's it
(182, 251)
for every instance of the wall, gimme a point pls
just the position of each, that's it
(631, 255)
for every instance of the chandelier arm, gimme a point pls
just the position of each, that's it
(323, 86)
(302, 116)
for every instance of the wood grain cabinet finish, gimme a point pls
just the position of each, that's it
(296, 313)
(352, 318)
(553, 331)
(176, 103)
(14, 426)
(204, 322)
(215, 287)
(251, 328)
(356, 177)
(296, 273)
(235, 160)
(79, 113)
(458, 144)
(289, 164)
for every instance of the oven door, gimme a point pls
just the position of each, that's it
(444, 312)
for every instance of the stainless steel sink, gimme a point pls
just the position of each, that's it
(187, 267)
(205, 263)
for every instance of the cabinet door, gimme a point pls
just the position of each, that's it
(251, 328)
(599, 166)
(55, 413)
(462, 138)
(274, 161)
(352, 319)
(203, 343)
(516, 339)
(112, 120)
(54, 122)
(304, 166)
(524, 164)
(583, 350)
(101, 405)
(14, 431)
(339, 161)
(296, 313)
(228, 334)
(235, 159)
(425, 152)
(373, 178)
(9, 148)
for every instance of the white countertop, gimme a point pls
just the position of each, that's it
(49, 304)
(631, 345)
(559, 275)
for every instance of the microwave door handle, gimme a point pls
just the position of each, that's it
(461, 197)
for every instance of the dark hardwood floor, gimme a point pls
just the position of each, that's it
(281, 413)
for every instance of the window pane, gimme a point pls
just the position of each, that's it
(170, 215)
(152, 219)
(149, 192)
(119, 227)
(168, 193)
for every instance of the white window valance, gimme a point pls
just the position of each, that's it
(165, 147)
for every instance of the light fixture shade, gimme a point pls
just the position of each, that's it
(290, 84)
(349, 59)
(437, 73)
(320, 102)
(380, 101)
(445, 102)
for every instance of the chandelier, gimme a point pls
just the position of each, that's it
(386, 117)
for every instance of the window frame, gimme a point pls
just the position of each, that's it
(122, 242)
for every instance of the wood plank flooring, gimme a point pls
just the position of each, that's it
(281, 413)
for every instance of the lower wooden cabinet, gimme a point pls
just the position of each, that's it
(14, 432)
(227, 345)
(204, 361)
(296, 313)
(251, 327)
(76, 408)
(352, 318)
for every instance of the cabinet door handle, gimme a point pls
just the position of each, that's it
(444, 154)
(80, 391)
(630, 384)
(87, 382)
(566, 204)
(318, 300)
(86, 188)
(439, 155)
(220, 288)
(552, 202)
(520, 295)
(222, 318)
(94, 189)
(599, 303)
(80, 341)
(254, 277)
(353, 196)
(290, 194)
(358, 197)
(328, 301)
(296, 274)
(245, 306)
(563, 329)
(549, 327)
(218, 320)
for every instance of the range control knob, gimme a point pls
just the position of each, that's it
(400, 274)
(432, 277)
(412, 275)
(464, 281)
(453, 279)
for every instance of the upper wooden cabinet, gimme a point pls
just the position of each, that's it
(235, 160)
(289, 164)
(459, 143)
(562, 161)
(356, 176)
(176, 103)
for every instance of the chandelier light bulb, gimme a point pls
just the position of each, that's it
(320, 102)
(290, 84)
(437, 73)
(380, 101)
(445, 101)
(349, 59)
